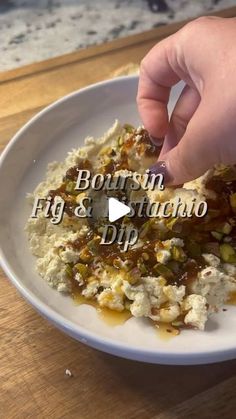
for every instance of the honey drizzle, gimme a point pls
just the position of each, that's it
(110, 317)
(232, 298)
(166, 331)
(116, 318)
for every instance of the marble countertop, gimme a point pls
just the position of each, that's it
(33, 30)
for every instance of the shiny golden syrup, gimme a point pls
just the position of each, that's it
(110, 317)
(232, 298)
(80, 299)
(165, 331)
(116, 318)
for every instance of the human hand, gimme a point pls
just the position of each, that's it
(202, 128)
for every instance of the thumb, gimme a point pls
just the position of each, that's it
(197, 151)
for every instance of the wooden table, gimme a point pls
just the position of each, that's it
(34, 355)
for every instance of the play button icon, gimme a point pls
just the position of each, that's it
(116, 209)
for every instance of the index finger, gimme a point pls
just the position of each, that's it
(159, 71)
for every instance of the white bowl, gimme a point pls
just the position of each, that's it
(47, 137)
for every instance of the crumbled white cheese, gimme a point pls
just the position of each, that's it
(196, 305)
(151, 297)
(53, 269)
(79, 279)
(68, 255)
(212, 260)
(213, 285)
(91, 289)
(109, 298)
(154, 287)
(68, 372)
(230, 269)
(199, 185)
(139, 129)
(175, 241)
(174, 294)
(163, 256)
(141, 305)
(169, 314)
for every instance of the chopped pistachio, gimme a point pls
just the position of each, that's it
(120, 141)
(178, 254)
(82, 269)
(161, 269)
(227, 253)
(70, 187)
(69, 271)
(100, 229)
(85, 255)
(224, 228)
(174, 224)
(128, 128)
(133, 276)
(217, 235)
(93, 245)
(145, 228)
(228, 173)
(171, 222)
(127, 265)
(105, 151)
(141, 266)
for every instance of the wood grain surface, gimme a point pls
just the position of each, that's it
(33, 354)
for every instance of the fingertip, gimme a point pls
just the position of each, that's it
(157, 141)
(161, 167)
(154, 117)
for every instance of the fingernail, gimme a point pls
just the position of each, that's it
(156, 141)
(161, 168)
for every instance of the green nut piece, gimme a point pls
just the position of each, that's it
(227, 253)
(224, 228)
(162, 270)
(70, 187)
(174, 224)
(129, 128)
(69, 271)
(141, 266)
(82, 269)
(93, 245)
(217, 235)
(120, 141)
(178, 254)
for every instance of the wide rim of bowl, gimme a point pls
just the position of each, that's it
(80, 333)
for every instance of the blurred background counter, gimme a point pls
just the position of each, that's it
(34, 30)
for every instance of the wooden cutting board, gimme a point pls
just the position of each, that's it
(33, 354)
